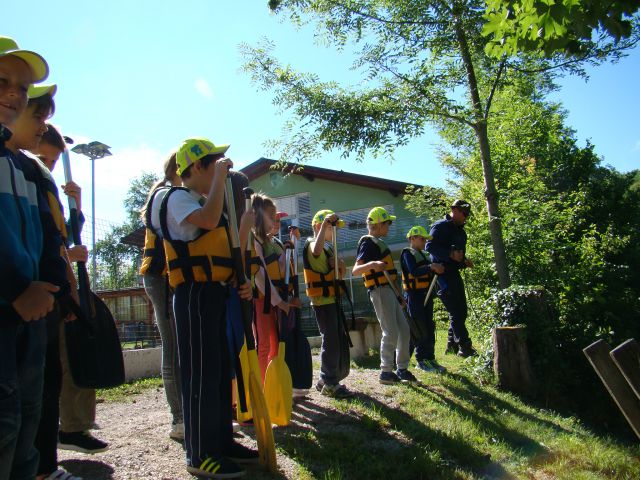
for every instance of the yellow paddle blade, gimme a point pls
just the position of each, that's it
(278, 390)
(244, 415)
(261, 420)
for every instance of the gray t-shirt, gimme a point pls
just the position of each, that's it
(181, 204)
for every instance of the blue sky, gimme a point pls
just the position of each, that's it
(142, 75)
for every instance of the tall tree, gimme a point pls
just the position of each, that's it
(119, 262)
(423, 62)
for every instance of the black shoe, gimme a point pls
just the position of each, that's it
(452, 348)
(320, 385)
(336, 391)
(82, 442)
(406, 376)
(241, 454)
(220, 467)
(467, 351)
(389, 378)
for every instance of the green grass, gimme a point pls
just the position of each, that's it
(124, 393)
(449, 428)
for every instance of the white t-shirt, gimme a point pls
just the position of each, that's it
(181, 204)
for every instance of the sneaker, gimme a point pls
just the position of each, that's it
(336, 391)
(82, 442)
(389, 378)
(437, 366)
(319, 385)
(242, 455)
(431, 366)
(222, 467)
(425, 366)
(406, 376)
(61, 474)
(177, 431)
(452, 348)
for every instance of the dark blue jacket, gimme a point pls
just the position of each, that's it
(53, 267)
(446, 236)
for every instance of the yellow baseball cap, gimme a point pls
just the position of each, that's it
(37, 91)
(418, 231)
(322, 214)
(379, 215)
(193, 149)
(38, 65)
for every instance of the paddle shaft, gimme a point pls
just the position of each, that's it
(430, 291)
(336, 280)
(86, 299)
(238, 267)
(394, 287)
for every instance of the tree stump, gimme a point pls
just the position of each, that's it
(511, 362)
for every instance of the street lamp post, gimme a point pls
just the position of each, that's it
(94, 151)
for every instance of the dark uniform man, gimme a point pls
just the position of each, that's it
(447, 246)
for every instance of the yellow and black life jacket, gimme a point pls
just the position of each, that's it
(409, 282)
(153, 258)
(206, 258)
(272, 268)
(317, 283)
(377, 279)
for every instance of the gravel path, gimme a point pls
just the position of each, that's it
(140, 447)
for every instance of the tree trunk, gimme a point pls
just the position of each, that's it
(490, 193)
(491, 197)
(511, 362)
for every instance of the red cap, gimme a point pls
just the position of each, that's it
(280, 215)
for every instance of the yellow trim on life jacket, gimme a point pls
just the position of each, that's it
(272, 268)
(377, 279)
(318, 284)
(409, 282)
(153, 256)
(206, 258)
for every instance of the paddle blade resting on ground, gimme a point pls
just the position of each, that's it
(261, 420)
(278, 390)
(243, 412)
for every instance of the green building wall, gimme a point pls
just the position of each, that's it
(323, 194)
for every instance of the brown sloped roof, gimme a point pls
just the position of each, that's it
(135, 238)
(263, 165)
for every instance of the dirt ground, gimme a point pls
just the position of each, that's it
(140, 447)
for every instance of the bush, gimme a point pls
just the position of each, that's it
(534, 308)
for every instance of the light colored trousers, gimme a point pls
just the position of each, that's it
(395, 329)
(156, 288)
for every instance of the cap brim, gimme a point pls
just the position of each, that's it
(38, 65)
(219, 149)
(392, 217)
(37, 91)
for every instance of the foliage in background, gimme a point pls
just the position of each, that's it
(422, 62)
(567, 27)
(568, 227)
(118, 262)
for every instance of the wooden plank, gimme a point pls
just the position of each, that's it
(614, 381)
(627, 358)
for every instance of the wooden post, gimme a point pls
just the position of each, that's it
(511, 362)
(627, 357)
(616, 384)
